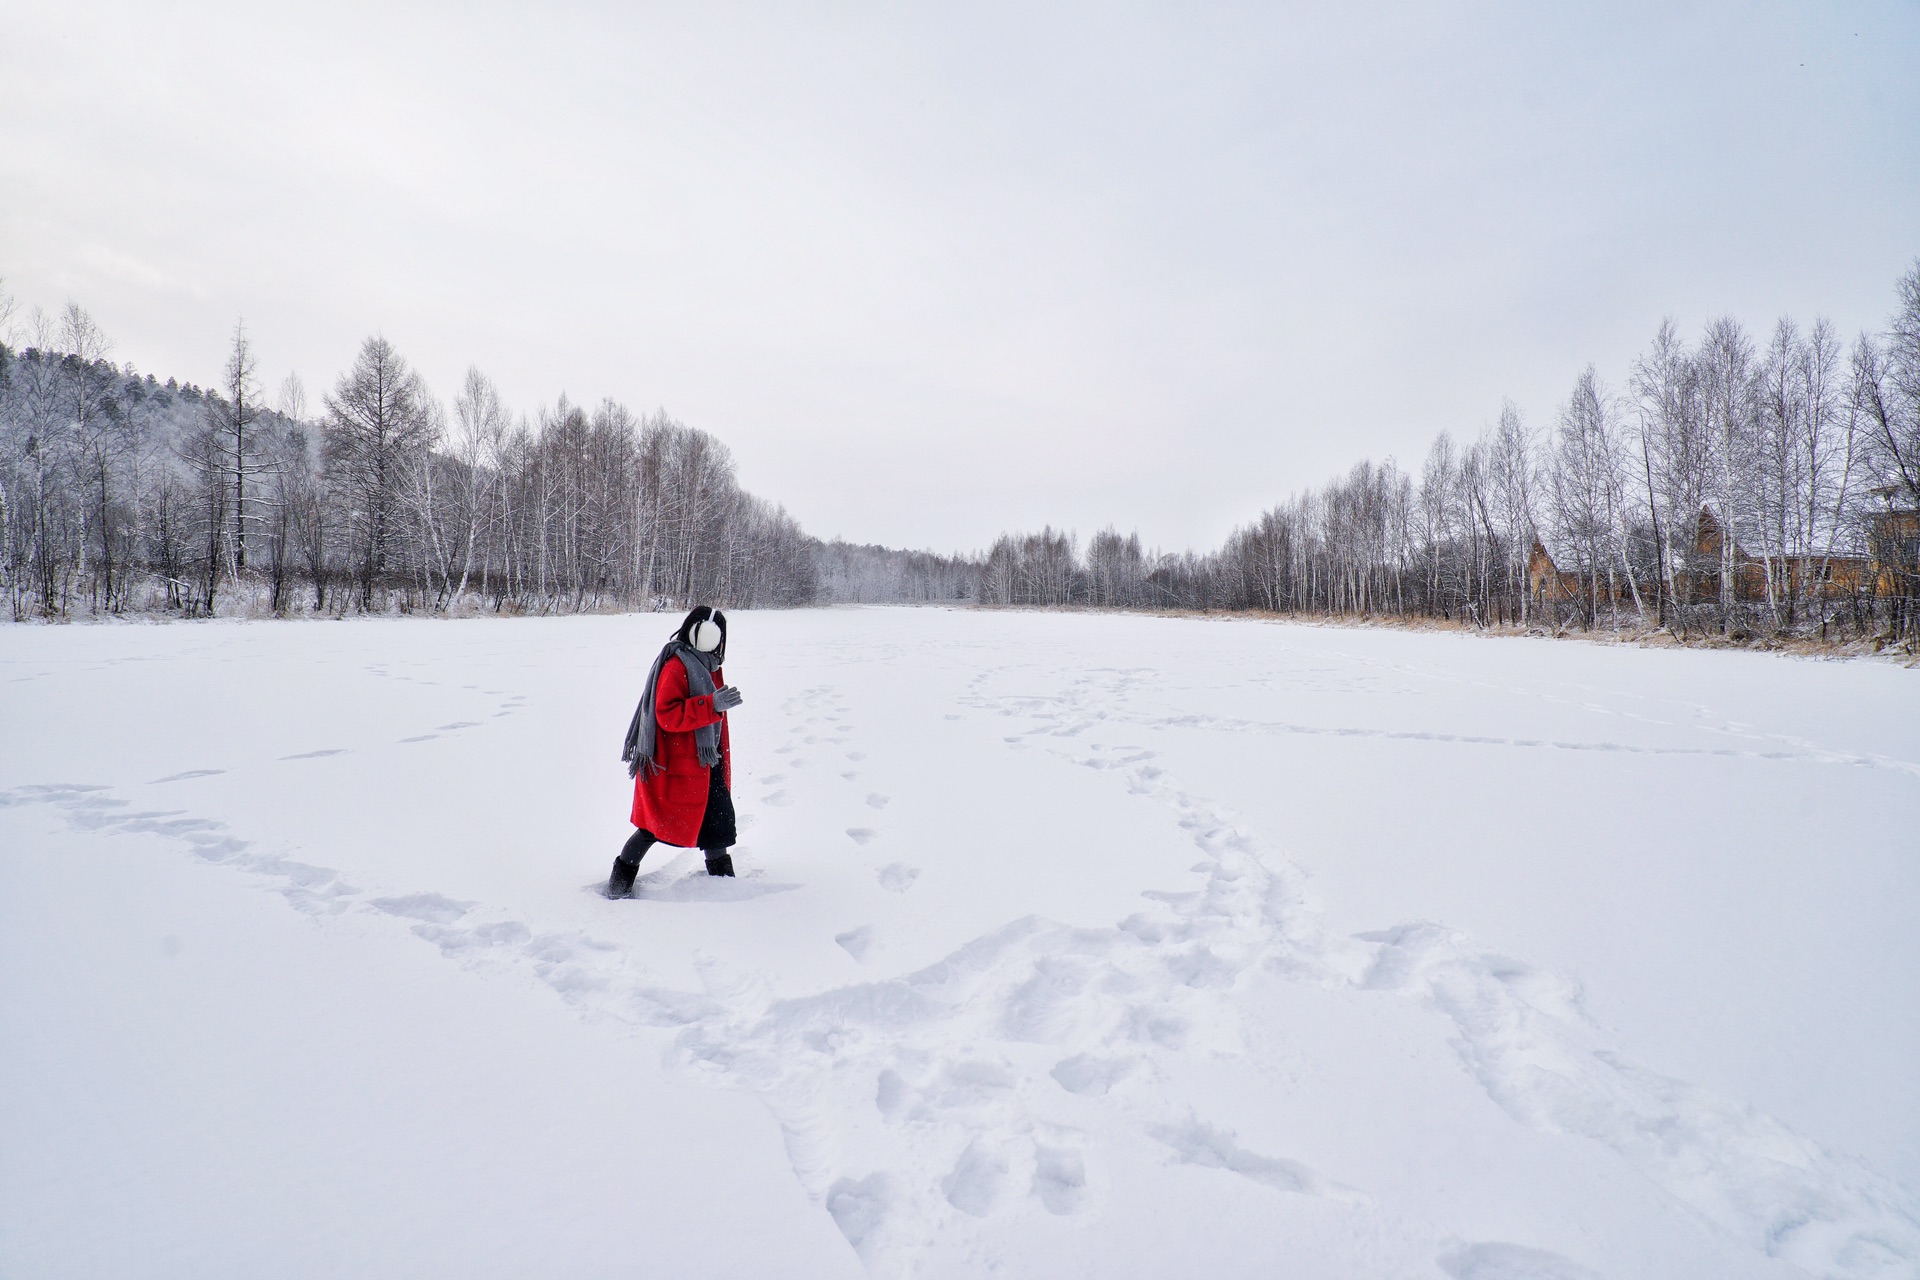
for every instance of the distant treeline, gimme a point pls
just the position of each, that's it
(1807, 451)
(1728, 485)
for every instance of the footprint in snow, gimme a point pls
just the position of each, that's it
(1199, 1143)
(428, 907)
(459, 724)
(421, 737)
(1088, 1074)
(481, 937)
(1492, 1260)
(850, 775)
(772, 779)
(856, 756)
(700, 887)
(856, 941)
(191, 773)
(977, 1179)
(863, 835)
(778, 799)
(878, 801)
(315, 755)
(1059, 1178)
(898, 877)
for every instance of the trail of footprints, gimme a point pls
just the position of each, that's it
(1767, 745)
(509, 704)
(507, 707)
(912, 1106)
(1784, 1195)
(821, 715)
(923, 1106)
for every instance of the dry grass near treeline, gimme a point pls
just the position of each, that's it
(1647, 637)
(1905, 652)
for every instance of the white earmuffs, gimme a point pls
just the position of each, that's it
(705, 636)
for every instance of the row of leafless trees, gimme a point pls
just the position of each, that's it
(1730, 483)
(121, 493)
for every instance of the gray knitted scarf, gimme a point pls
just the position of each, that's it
(640, 751)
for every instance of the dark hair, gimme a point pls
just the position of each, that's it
(695, 616)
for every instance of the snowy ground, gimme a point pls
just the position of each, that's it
(1064, 946)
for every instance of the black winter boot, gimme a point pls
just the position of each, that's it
(719, 862)
(620, 883)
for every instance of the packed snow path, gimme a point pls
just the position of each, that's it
(1064, 945)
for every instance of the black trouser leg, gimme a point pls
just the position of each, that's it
(718, 828)
(627, 865)
(636, 847)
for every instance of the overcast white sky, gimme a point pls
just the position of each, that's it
(938, 271)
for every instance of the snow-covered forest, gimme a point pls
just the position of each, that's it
(118, 492)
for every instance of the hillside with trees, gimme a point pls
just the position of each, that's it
(119, 493)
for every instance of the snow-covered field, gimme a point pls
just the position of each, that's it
(1064, 946)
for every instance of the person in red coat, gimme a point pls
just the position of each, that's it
(679, 754)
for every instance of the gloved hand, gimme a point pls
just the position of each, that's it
(726, 698)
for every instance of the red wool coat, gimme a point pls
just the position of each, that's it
(671, 801)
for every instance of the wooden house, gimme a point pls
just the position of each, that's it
(1547, 582)
(1894, 542)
